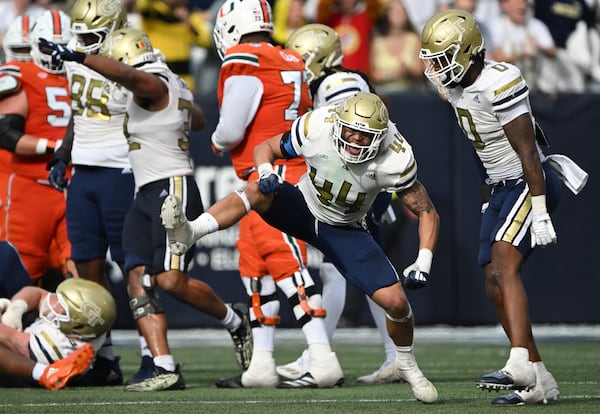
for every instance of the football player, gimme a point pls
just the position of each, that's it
(101, 192)
(160, 115)
(261, 91)
(330, 84)
(353, 152)
(491, 103)
(79, 314)
(35, 108)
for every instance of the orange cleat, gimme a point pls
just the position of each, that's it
(58, 374)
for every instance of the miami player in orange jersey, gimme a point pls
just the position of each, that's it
(261, 91)
(35, 109)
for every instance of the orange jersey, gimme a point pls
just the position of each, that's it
(49, 110)
(285, 96)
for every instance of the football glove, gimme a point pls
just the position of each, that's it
(269, 181)
(415, 276)
(13, 315)
(59, 53)
(542, 229)
(56, 177)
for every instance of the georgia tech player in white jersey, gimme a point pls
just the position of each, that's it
(161, 114)
(352, 152)
(491, 103)
(330, 84)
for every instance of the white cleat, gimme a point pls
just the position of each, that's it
(409, 372)
(179, 230)
(386, 374)
(295, 369)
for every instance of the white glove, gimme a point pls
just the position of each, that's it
(4, 302)
(415, 276)
(542, 230)
(13, 315)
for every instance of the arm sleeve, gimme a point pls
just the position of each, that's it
(241, 97)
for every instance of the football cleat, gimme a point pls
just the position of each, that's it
(161, 380)
(307, 381)
(242, 337)
(103, 372)
(386, 374)
(409, 372)
(505, 380)
(545, 391)
(58, 374)
(233, 382)
(295, 369)
(179, 230)
(146, 371)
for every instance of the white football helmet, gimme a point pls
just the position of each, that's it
(450, 41)
(364, 112)
(236, 18)
(320, 48)
(93, 20)
(55, 26)
(16, 42)
(82, 308)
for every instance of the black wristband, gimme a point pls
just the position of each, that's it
(78, 57)
(61, 154)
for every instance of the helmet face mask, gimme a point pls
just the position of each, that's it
(93, 20)
(16, 41)
(449, 43)
(319, 46)
(362, 115)
(237, 18)
(80, 308)
(52, 25)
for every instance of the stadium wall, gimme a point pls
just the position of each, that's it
(561, 280)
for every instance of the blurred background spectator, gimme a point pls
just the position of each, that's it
(395, 63)
(175, 27)
(354, 21)
(288, 15)
(521, 39)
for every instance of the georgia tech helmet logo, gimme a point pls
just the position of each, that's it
(92, 313)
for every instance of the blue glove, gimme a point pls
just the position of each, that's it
(269, 183)
(59, 53)
(414, 279)
(57, 175)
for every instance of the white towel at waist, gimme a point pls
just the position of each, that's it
(569, 172)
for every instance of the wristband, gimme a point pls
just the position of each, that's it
(265, 169)
(538, 205)
(424, 260)
(42, 147)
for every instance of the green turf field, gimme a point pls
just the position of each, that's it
(451, 365)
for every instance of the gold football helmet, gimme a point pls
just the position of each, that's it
(84, 310)
(449, 43)
(93, 20)
(364, 112)
(320, 47)
(130, 46)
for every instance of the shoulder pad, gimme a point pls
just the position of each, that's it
(9, 85)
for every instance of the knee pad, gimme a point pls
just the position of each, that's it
(303, 296)
(401, 320)
(263, 297)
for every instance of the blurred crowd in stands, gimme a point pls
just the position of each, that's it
(555, 43)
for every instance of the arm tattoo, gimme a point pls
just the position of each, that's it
(416, 199)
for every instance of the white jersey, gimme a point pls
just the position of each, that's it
(337, 87)
(98, 119)
(159, 141)
(338, 193)
(499, 95)
(48, 344)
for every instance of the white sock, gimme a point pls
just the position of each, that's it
(520, 355)
(333, 296)
(379, 318)
(166, 362)
(204, 224)
(231, 321)
(145, 351)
